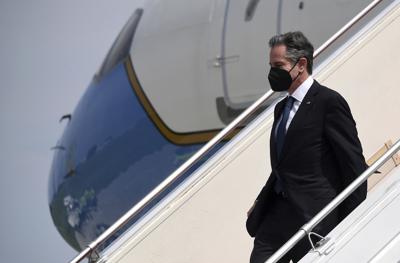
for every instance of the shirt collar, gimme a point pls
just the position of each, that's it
(302, 90)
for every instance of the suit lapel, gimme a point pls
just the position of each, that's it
(300, 116)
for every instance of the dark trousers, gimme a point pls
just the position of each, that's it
(279, 225)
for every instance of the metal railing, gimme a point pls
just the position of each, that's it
(346, 27)
(204, 150)
(307, 228)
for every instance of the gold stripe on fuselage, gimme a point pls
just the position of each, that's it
(169, 134)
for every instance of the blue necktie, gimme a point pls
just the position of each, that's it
(281, 132)
(280, 137)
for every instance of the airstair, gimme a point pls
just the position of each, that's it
(203, 219)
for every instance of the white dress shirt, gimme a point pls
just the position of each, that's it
(298, 96)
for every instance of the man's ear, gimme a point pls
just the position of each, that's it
(303, 64)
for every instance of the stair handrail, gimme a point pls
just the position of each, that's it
(346, 27)
(122, 221)
(308, 227)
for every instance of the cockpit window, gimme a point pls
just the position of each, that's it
(250, 10)
(121, 46)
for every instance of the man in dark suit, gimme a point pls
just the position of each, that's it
(315, 154)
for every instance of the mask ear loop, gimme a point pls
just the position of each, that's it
(293, 68)
(297, 61)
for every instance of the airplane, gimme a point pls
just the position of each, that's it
(178, 73)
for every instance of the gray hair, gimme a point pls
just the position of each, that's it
(297, 46)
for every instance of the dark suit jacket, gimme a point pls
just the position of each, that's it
(321, 155)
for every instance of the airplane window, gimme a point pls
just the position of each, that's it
(121, 46)
(250, 10)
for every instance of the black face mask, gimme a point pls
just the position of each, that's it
(280, 79)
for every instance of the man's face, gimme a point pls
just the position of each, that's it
(277, 58)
